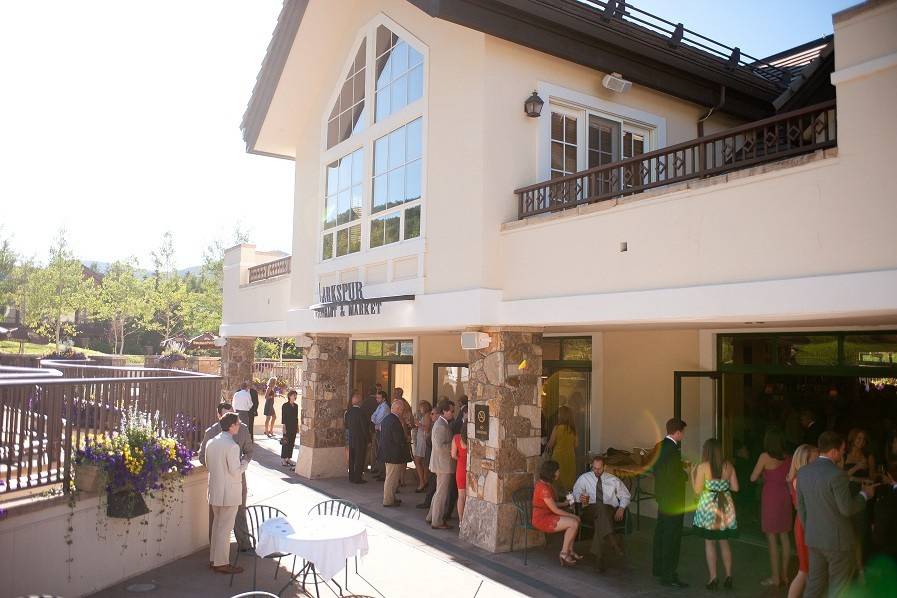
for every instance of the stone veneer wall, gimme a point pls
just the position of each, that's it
(237, 357)
(506, 376)
(324, 397)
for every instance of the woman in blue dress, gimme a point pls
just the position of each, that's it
(715, 480)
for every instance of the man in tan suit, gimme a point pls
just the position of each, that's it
(222, 455)
(247, 446)
(441, 462)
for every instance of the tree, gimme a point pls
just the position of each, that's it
(55, 293)
(203, 310)
(7, 268)
(123, 299)
(169, 293)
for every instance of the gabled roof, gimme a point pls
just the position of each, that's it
(269, 75)
(607, 35)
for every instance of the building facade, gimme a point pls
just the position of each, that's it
(718, 230)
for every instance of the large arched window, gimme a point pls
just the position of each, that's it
(373, 157)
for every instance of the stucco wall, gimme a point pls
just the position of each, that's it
(262, 304)
(33, 551)
(436, 348)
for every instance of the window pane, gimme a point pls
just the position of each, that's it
(382, 104)
(344, 208)
(358, 118)
(381, 155)
(384, 72)
(808, 350)
(360, 58)
(375, 348)
(413, 147)
(345, 172)
(384, 39)
(399, 94)
(576, 349)
(870, 349)
(415, 83)
(342, 242)
(397, 147)
(332, 178)
(333, 132)
(390, 348)
(379, 201)
(406, 348)
(330, 212)
(570, 158)
(357, 166)
(551, 349)
(570, 129)
(377, 228)
(360, 348)
(399, 59)
(396, 187)
(345, 96)
(557, 126)
(327, 249)
(412, 222)
(557, 155)
(354, 238)
(414, 57)
(391, 235)
(412, 181)
(356, 202)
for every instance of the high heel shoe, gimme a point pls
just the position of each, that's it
(728, 583)
(578, 557)
(566, 559)
(714, 583)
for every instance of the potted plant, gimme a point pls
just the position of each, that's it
(136, 461)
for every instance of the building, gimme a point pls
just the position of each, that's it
(673, 228)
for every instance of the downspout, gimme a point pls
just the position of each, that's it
(722, 100)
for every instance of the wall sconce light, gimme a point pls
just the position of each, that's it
(533, 105)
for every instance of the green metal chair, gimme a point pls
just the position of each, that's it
(523, 502)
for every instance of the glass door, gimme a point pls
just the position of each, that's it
(568, 388)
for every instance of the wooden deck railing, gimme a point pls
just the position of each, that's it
(781, 136)
(43, 421)
(269, 270)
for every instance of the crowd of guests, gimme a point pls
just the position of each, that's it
(845, 511)
(383, 434)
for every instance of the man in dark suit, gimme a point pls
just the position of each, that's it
(394, 452)
(669, 490)
(825, 506)
(884, 527)
(357, 426)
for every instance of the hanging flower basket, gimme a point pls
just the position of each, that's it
(88, 477)
(125, 504)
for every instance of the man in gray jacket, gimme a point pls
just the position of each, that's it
(825, 505)
(441, 462)
(247, 446)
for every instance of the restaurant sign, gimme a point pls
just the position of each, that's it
(347, 299)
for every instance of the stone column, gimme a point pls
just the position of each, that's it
(237, 358)
(325, 394)
(506, 377)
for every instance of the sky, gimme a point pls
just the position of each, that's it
(121, 118)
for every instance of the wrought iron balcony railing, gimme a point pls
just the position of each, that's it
(775, 138)
(269, 270)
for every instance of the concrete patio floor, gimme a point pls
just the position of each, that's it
(408, 558)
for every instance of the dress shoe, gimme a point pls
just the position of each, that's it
(395, 504)
(712, 585)
(674, 584)
(728, 583)
(227, 569)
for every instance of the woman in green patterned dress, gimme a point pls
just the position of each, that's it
(715, 480)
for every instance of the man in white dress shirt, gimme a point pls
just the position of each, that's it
(226, 470)
(604, 499)
(242, 402)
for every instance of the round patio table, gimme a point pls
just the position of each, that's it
(325, 542)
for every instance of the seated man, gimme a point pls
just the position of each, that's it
(604, 499)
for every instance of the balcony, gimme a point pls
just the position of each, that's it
(268, 270)
(776, 138)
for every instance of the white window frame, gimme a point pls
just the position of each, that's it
(570, 101)
(365, 139)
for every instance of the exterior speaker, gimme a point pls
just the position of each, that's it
(475, 340)
(616, 82)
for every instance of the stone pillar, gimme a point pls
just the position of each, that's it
(506, 377)
(325, 394)
(237, 358)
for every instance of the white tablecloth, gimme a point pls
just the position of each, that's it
(325, 541)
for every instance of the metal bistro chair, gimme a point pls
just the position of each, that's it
(338, 508)
(256, 594)
(523, 502)
(256, 515)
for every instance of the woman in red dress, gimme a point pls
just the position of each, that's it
(549, 518)
(459, 454)
(804, 454)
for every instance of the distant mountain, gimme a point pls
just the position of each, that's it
(103, 267)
